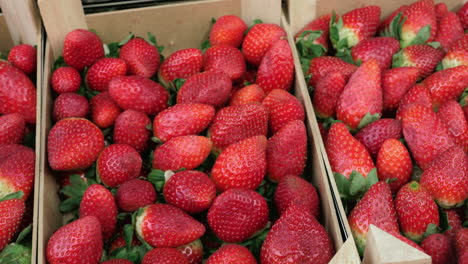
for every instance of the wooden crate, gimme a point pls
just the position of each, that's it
(176, 26)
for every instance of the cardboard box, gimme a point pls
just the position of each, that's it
(176, 26)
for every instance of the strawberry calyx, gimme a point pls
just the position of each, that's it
(356, 185)
(394, 29)
(10, 196)
(254, 22)
(464, 98)
(368, 119)
(74, 192)
(336, 26)
(254, 243)
(129, 251)
(421, 37)
(306, 45)
(20, 250)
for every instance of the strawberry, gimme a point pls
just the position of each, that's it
(452, 115)
(395, 83)
(142, 57)
(82, 48)
(248, 94)
(384, 27)
(117, 164)
(282, 108)
(258, 41)
(419, 24)
(276, 70)
(394, 163)
(241, 165)
(74, 144)
(463, 15)
(423, 57)
(237, 214)
(441, 10)
(78, 241)
(164, 225)
(23, 57)
(134, 194)
(454, 221)
(418, 94)
(104, 111)
(11, 213)
(226, 59)
(297, 237)
(286, 151)
(117, 261)
(353, 27)
(65, 80)
(449, 30)
(461, 245)
(131, 128)
(180, 64)
(327, 92)
(321, 66)
(181, 120)
(164, 256)
(199, 191)
(17, 170)
(373, 135)
(319, 38)
(70, 105)
(138, 93)
(446, 178)
(439, 247)
(379, 48)
(296, 190)
(103, 71)
(231, 253)
(192, 251)
(228, 30)
(234, 123)
(186, 152)
(12, 129)
(119, 242)
(361, 100)
(212, 88)
(457, 54)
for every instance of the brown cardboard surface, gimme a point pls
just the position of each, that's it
(23, 20)
(6, 43)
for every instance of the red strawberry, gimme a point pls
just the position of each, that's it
(321, 66)
(276, 70)
(117, 261)
(234, 123)
(198, 191)
(117, 164)
(70, 105)
(297, 237)
(134, 194)
(186, 152)
(231, 253)
(228, 30)
(361, 97)
(17, 170)
(384, 28)
(11, 213)
(65, 80)
(182, 119)
(373, 135)
(457, 55)
(322, 23)
(287, 151)
(82, 48)
(164, 225)
(226, 59)
(78, 241)
(439, 247)
(282, 108)
(327, 92)
(463, 15)
(164, 256)
(248, 94)
(23, 57)
(180, 64)
(394, 163)
(104, 111)
(103, 71)
(379, 48)
(142, 58)
(449, 30)
(419, 23)
(418, 94)
(74, 144)
(441, 10)
(237, 214)
(452, 115)
(461, 245)
(192, 251)
(454, 222)
(131, 128)
(258, 41)
(11, 129)
(423, 57)
(213, 88)
(138, 93)
(6, 150)
(395, 83)
(296, 190)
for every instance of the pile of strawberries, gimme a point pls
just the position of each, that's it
(165, 160)
(392, 106)
(17, 157)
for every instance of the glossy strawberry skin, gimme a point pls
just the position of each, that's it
(17, 170)
(70, 105)
(134, 194)
(164, 256)
(418, 15)
(131, 128)
(248, 94)
(439, 247)
(81, 48)
(449, 30)
(455, 223)
(321, 66)
(104, 111)
(117, 261)
(192, 251)
(11, 213)
(395, 83)
(296, 190)
(142, 58)
(23, 57)
(103, 71)
(452, 115)
(441, 10)
(11, 129)
(276, 70)
(117, 164)
(379, 48)
(65, 80)
(322, 23)
(394, 162)
(327, 92)
(232, 253)
(228, 30)
(423, 57)
(461, 245)
(373, 135)
(258, 41)
(180, 64)
(282, 107)
(463, 15)
(225, 58)
(418, 94)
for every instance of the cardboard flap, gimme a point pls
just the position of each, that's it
(271, 11)
(347, 254)
(23, 28)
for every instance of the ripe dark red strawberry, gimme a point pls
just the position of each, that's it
(394, 163)
(379, 48)
(231, 253)
(103, 71)
(17, 170)
(276, 70)
(182, 119)
(131, 128)
(423, 57)
(419, 23)
(373, 135)
(11, 213)
(228, 30)
(461, 245)
(297, 237)
(186, 152)
(441, 10)
(117, 261)
(248, 94)
(70, 105)
(134, 194)
(463, 15)
(65, 80)
(384, 28)
(296, 190)
(327, 92)
(164, 225)
(241, 165)
(395, 83)
(446, 179)
(74, 144)
(282, 108)
(164, 256)
(458, 54)
(449, 30)
(12, 129)
(117, 164)
(322, 23)
(287, 151)
(225, 58)
(199, 191)
(139, 94)
(234, 123)
(213, 88)
(439, 247)
(192, 251)
(418, 94)
(452, 115)
(23, 57)
(104, 111)
(82, 48)
(259, 40)
(180, 64)
(361, 97)
(142, 58)
(454, 222)
(321, 66)
(237, 214)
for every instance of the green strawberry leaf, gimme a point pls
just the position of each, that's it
(24, 234)
(430, 230)
(390, 180)
(345, 55)
(15, 195)
(464, 97)
(335, 26)
(257, 21)
(440, 66)
(74, 192)
(343, 185)
(60, 62)
(158, 179)
(112, 49)
(128, 235)
(126, 39)
(367, 119)
(178, 83)
(444, 221)
(205, 45)
(358, 184)
(154, 42)
(394, 29)
(306, 46)
(371, 178)
(399, 60)
(305, 64)
(135, 254)
(422, 36)
(213, 21)
(16, 254)
(434, 44)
